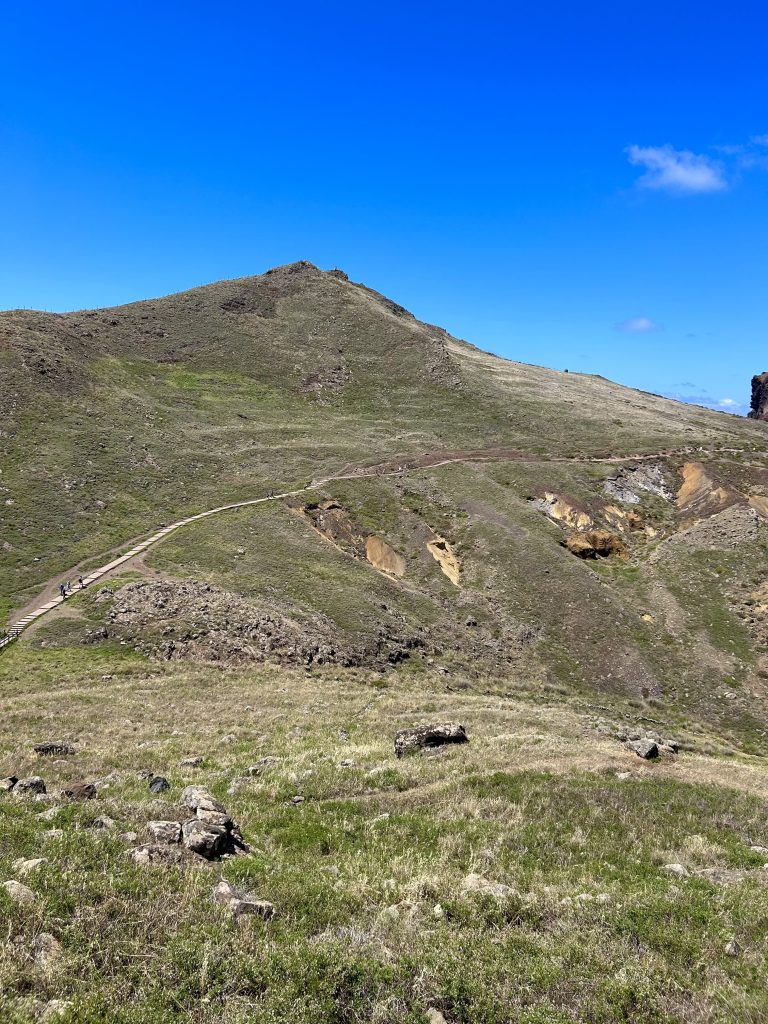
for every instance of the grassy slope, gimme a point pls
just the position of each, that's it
(372, 920)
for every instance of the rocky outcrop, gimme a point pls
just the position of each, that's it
(409, 740)
(759, 404)
(445, 556)
(595, 544)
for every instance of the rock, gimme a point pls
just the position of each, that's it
(128, 837)
(158, 784)
(476, 883)
(229, 738)
(191, 762)
(30, 786)
(26, 867)
(261, 765)
(645, 748)
(347, 763)
(165, 831)
(145, 773)
(296, 800)
(7, 784)
(156, 854)
(19, 892)
(677, 869)
(408, 740)
(595, 543)
(53, 747)
(80, 791)
(732, 948)
(46, 950)
(434, 1016)
(107, 781)
(759, 404)
(103, 822)
(236, 784)
(48, 815)
(240, 903)
(193, 797)
(206, 840)
(759, 849)
(55, 1008)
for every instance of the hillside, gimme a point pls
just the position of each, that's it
(561, 564)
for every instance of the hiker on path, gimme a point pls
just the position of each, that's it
(62, 590)
(80, 581)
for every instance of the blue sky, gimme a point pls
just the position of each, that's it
(581, 186)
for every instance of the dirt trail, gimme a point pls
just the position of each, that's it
(50, 599)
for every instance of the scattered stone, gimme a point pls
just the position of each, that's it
(7, 784)
(145, 773)
(476, 883)
(261, 765)
(53, 747)
(229, 738)
(343, 736)
(296, 800)
(347, 763)
(128, 837)
(80, 791)
(208, 841)
(26, 867)
(159, 785)
(434, 1016)
(30, 786)
(437, 912)
(237, 783)
(55, 1008)
(46, 950)
(48, 815)
(240, 903)
(194, 797)
(19, 892)
(676, 869)
(103, 822)
(154, 854)
(408, 740)
(732, 948)
(645, 748)
(191, 762)
(759, 849)
(107, 781)
(165, 831)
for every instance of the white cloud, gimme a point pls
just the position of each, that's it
(639, 325)
(676, 170)
(760, 140)
(719, 404)
(727, 403)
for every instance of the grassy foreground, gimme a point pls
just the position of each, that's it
(377, 919)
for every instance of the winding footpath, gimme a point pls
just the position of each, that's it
(393, 467)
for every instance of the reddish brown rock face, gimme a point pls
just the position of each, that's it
(759, 409)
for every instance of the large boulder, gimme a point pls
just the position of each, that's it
(208, 841)
(645, 748)
(409, 740)
(19, 892)
(198, 797)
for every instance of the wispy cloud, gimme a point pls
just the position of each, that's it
(719, 404)
(677, 170)
(760, 140)
(639, 325)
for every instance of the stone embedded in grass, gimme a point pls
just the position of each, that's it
(145, 773)
(53, 747)
(240, 903)
(194, 797)
(26, 867)
(426, 736)
(155, 854)
(165, 831)
(732, 948)
(645, 748)
(680, 870)
(19, 892)
(158, 784)
(484, 886)
(46, 950)
(7, 784)
(434, 1016)
(103, 822)
(261, 765)
(80, 791)
(191, 762)
(29, 786)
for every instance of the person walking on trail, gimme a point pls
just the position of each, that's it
(80, 581)
(62, 590)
